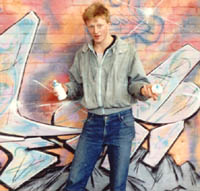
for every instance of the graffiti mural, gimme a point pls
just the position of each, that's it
(39, 134)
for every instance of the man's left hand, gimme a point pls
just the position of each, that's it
(146, 91)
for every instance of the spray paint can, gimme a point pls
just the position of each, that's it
(157, 89)
(59, 90)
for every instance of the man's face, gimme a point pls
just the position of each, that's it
(98, 28)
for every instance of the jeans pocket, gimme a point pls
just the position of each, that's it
(92, 128)
(89, 117)
(127, 125)
(127, 119)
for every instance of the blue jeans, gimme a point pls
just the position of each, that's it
(114, 130)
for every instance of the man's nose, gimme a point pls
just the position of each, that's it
(96, 30)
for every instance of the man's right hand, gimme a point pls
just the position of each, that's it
(63, 86)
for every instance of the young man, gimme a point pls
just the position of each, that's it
(109, 77)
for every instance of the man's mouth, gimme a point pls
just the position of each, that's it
(96, 36)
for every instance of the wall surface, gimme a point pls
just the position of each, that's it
(38, 134)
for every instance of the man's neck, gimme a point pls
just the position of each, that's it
(101, 47)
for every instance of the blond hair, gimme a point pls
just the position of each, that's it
(96, 9)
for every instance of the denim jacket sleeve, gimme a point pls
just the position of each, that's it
(75, 87)
(137, 77)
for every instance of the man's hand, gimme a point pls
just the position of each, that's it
(63, 86)
(146, 91)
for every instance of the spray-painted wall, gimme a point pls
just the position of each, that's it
(38, 134)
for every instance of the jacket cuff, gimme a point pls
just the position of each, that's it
(135, 90)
